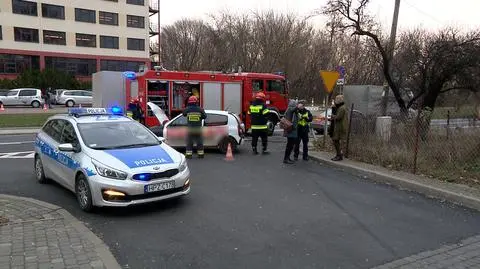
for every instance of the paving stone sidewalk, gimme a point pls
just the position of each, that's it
(459, 256)
(34, 234)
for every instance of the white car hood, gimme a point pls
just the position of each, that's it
(135, 160)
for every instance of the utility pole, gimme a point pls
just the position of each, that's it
(159, 36)
(390, 50)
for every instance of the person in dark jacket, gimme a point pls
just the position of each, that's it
(135, 111)
(258, 117)
(291, 115)
(340, 120)
(304, 119)
(195, 115)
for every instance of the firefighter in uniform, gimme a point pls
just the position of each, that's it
(304, 119)
(135, 111)
(194, 114)
(258, 118)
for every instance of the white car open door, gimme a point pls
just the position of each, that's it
(158, 112)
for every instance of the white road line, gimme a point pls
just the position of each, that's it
(16, 143)
(17, 155)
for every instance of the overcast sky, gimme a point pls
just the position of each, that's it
(432, 14)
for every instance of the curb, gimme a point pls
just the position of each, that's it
(455, 193)
(32, 130)
(100, 248)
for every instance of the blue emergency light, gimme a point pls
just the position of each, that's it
(130, 75)
(90, 111)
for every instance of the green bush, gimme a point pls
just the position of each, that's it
(43, 80)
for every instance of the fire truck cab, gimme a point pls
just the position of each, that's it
(231, 92)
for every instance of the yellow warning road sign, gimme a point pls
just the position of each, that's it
(329, 79)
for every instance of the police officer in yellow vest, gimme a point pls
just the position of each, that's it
(304, 119)
(258, 118)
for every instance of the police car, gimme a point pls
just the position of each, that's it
(108, 159)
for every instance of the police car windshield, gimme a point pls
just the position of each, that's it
(116, 135)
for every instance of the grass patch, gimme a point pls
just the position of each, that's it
(441, 113)
(23, 120)
(452, 158)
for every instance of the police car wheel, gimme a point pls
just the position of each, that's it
(84, 195)
(39, 172)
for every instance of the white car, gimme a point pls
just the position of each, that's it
(71, 98)
(23, 97)
(221, 128)
(108, 159)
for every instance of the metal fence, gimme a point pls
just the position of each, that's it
(442, 145)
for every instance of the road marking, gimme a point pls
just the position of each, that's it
(16, 143)
(17, 155)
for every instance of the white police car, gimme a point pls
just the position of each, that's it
(108, 159)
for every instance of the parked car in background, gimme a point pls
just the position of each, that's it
(23, 97)
(318, 123)
(56, 95)
(71, 98)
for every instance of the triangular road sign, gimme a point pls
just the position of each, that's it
(329, 79)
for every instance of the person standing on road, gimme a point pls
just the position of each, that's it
(291, 115)
(135, 111)
(195, 115)
(340, 123)
(258, 111)
(304, 119)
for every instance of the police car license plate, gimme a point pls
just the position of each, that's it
(160, 186)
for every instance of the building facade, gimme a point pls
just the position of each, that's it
(80, 37)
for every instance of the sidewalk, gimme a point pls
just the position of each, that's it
(34, 234)
(456, 193)
(465, 254)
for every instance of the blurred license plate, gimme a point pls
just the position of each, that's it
(160, 186)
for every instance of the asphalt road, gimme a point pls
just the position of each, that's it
(256, 212)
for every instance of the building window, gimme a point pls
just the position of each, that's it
(136, 2)
(112, 65)
(85, 15)
(109, 42)
(25, 34)
(78, 67)
(16, 64)
(108, 18)
(135, 44)
(54, 37)
(135, 21)
(24, 7)
(53, 11)
(86, 40)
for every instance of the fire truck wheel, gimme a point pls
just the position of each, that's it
(223, 145)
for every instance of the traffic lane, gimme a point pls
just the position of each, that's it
(14, 144)
(30, 110)
(257, 213)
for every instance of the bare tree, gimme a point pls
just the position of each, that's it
(435, 64)
(356, 19)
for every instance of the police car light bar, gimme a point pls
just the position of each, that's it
(92, 111)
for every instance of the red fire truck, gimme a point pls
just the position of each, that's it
(216, 91)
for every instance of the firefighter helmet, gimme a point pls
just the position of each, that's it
(192, 99)
(260, 95)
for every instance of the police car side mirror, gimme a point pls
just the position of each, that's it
(66, 147)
